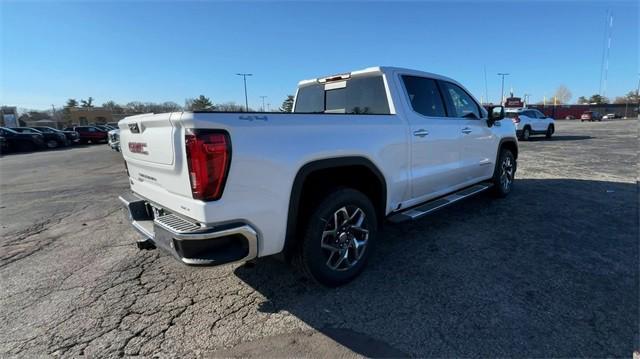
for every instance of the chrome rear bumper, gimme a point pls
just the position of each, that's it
(188, 241)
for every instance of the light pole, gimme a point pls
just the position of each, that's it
(246, 99)
(263, 97)
(503, 74)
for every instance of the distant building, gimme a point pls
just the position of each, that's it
(574, 111)
(90, 115)
(8, 116)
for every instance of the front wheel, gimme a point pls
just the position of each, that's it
(550, 131)
(504, 173)
(339, 238)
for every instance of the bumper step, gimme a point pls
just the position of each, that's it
(188, 241)
(438, 203)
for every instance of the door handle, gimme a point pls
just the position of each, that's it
(466, 130)
(420, 133)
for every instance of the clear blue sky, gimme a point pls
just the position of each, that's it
(168, 51)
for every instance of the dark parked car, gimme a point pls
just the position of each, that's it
(89, 134)
(17, 141)
(4, 146)
(72, 136)
(51, 139)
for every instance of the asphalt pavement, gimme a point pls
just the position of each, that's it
(550, 271)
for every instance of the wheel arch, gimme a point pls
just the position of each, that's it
(307, 177)
(510, 143)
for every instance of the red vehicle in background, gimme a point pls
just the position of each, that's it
(590, 116)
(89, 134)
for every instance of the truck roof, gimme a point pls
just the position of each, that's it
(381, 70)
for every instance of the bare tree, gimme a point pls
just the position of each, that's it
(230, 107)
(562, 95)
(88, 103)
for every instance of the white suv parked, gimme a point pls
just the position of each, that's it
(531, 122)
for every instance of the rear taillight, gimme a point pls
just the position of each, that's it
(208, 158)
(516, 119)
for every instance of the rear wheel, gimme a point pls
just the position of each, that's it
(52, 144)
(504, 173)
(550, 131)
(26, 146)
(339, 238)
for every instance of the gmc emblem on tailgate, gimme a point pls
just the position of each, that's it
(138, 147)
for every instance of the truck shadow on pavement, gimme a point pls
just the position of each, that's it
(560, 138)
(550, 271)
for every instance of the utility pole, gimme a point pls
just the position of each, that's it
(503, 74)
(246, 99)
(263, 97)
(268, 107)
(486, 89)
(53, 114)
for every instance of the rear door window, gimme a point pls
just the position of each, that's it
(359, 95)
(424, 96)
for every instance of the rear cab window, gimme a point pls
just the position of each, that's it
(424, 96)
(360, 95)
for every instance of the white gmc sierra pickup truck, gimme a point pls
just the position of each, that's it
(360, 148)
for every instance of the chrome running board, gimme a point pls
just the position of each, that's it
(438, 203)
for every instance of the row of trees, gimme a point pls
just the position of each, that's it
(563, 95)
(199, 103)
(631, 97)
(191, 104)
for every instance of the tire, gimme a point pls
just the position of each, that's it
(51, 144)
(550, 131)
(504, 173)
(26, 147)
(333, 253)
(526, 134)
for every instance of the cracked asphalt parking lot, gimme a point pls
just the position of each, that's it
(550, 271)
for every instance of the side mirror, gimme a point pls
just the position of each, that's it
(496, 113)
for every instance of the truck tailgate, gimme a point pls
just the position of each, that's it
(152, 148)
(148, 138)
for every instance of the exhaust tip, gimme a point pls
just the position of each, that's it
(146, 244)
